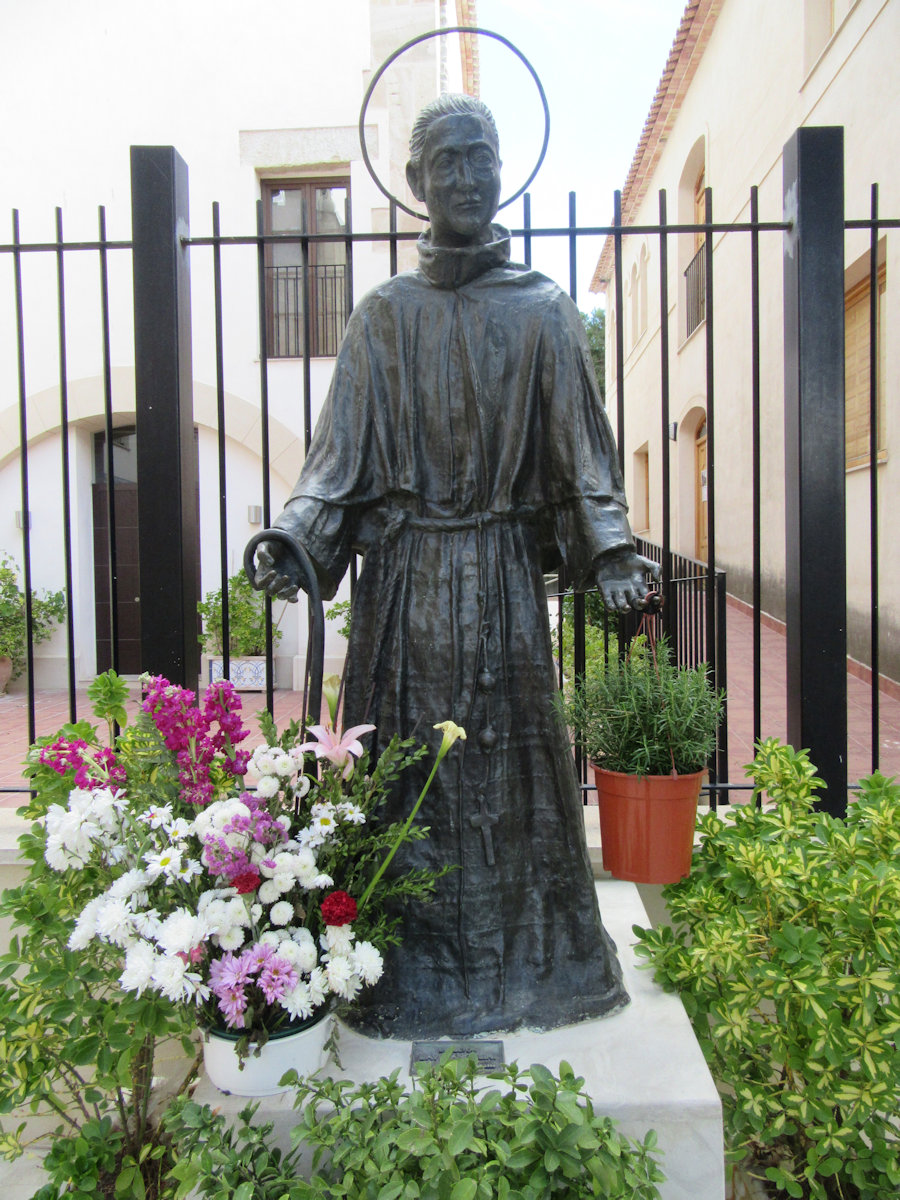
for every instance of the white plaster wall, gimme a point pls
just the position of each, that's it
(241, 91)
(749, 94)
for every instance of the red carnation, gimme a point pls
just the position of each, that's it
(339, 909)
(247, 881)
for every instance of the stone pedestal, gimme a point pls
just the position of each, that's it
(642, 1066)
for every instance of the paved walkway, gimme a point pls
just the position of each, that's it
(52, 711)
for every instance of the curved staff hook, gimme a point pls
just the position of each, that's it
(316, 610)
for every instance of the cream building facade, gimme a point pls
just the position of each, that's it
(262, 103)
(741, 77)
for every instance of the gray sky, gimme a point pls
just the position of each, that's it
(599, 62)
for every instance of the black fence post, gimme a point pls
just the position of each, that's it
(166, 455)
(815, 535)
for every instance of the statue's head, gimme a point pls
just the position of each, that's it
(454, 168)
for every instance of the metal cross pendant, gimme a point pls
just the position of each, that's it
(483, 820)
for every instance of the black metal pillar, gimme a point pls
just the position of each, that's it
(816, 574)
(167, 461)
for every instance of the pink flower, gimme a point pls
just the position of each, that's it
(335, 747)
(277, 978)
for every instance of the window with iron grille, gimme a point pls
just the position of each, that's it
(306, 206)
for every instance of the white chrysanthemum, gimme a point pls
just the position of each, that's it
(367, 962)
(173, 979)
(298, 1001)
(146, 922)
(179, 829)
(272, 937)
(268, 787)
(114, 921)
(189, 868)
(262, 761)
(289, 951)
(284, 881)
(318, 986)
(269, 891)
(342, 978)
(140, 960)
(131, 883)
(281, 913)
(164, 862)
(256, 911)
(181, 931)
(59, 858)
(351, 814)
(337, 939)
(231, 938)
(283, 765)
(157, 815)
(86, 924)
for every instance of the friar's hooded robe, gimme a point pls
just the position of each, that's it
(464, 450)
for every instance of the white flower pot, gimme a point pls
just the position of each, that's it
(302, 1049)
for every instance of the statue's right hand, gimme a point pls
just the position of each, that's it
(277, 573)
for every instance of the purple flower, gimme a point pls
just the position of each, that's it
(277, 977)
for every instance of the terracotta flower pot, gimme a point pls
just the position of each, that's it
(647, 824)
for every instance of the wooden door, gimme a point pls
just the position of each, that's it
(701, 547)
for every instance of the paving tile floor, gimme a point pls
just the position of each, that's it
(51, 711)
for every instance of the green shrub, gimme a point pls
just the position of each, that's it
(246, 619)
(529, 1137)
(785, 949)
(47, 609)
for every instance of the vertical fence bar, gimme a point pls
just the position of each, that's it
(64, 461)
(873, 478)
(264, 429)
(526, 221)
(112, 559)
(23, 471)
(348, 270)
(166, 457)
(668, 613)
(755, 454)
(620, 332)
(579, 616)
(711, 640)
(220, 442)
(392, 245)
(815, 533)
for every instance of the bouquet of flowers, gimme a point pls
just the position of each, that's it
(257, 907)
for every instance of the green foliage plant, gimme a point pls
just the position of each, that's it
(600, 637)
(74, 1047)
(595, 329)
(47, 610)
(525, 1136)
(246, 619)
(644, 715)
(340, 611)
(785, 949)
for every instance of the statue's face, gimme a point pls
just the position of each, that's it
(458, 178)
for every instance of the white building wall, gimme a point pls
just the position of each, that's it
(751, 90)
(242, 91)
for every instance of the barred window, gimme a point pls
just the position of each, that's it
(306, 207)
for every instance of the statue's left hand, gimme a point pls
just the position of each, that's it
(622, 579)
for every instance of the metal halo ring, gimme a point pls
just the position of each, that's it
(424, 37)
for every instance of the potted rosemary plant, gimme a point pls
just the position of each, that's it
(648, 727)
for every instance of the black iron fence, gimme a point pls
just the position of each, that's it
(290, 292)
(694, 612)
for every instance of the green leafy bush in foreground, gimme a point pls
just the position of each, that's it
(527, 1137)
(785, 949)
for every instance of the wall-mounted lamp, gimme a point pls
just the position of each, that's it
(673, 432)
(254, 514)
(22, 518)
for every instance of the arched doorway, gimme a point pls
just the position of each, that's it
(701, 516)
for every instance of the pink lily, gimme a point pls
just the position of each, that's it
(335, 746)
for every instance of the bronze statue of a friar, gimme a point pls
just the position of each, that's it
(464, 450)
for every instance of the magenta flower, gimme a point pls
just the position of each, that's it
(334, 746)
